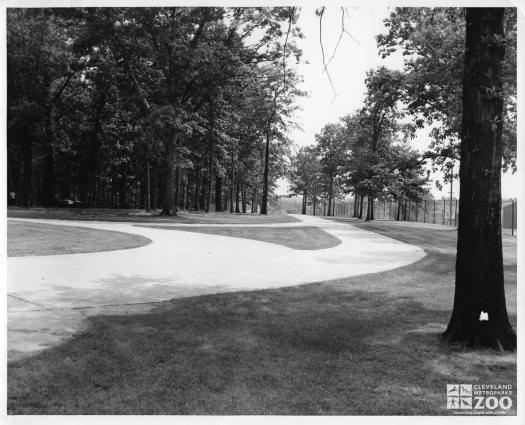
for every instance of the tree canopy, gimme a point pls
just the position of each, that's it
(106, 97)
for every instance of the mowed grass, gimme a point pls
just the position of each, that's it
(29, 239)
(366, 345)
(136, 215)
(302, 238)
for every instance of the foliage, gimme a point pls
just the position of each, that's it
(433, 44)
(109, 94)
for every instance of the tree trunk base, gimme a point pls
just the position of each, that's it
(481, 335)
(168, 212)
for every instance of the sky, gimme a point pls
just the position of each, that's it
(356, 54)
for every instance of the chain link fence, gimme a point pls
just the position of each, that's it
(442, 211)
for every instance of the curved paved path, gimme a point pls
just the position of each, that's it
(48, 296)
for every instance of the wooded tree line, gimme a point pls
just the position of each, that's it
(367, 153)
(171, 107)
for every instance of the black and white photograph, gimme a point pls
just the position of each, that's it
(251, 212)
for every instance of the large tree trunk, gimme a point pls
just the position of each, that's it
(480, 291)
(361, 199)
(370, 208)
(168, 205)
(303, 209)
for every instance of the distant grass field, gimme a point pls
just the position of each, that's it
(135, 215)
(366, 345)
(302, 238)
(28, 239)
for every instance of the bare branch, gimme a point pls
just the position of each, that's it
(285, 45)
(321, 13)
(343, 31)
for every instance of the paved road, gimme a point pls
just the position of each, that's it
(49, 296)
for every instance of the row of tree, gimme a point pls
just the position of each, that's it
(367, 153)
(182, 107)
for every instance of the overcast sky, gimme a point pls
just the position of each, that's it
(355, 55)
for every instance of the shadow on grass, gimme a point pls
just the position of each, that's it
(317, 349)
(300, 238)
(366, 345)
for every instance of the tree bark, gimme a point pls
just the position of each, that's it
(479, 289)
(49, 178)
(218, 193)
(330, 188)
(155, 190)
(264, 200)
(148, 188)
(210, 160)
(370, 208)
(168, 206)
(244, 199)
(237, 200)
(27, 192)
(204, 185)
(361, 199)
(177, 188)
(196, 202)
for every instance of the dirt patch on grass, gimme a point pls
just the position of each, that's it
(30, 239)
(301, 238)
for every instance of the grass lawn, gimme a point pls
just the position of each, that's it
(135, 215)
(362, 345)
(304, 237)
(26, 239)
